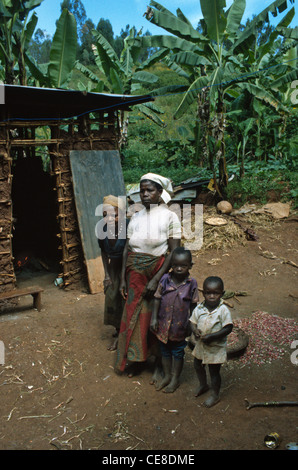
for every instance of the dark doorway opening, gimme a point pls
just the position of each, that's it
(35, 227)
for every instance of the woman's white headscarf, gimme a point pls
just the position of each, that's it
(165, 183)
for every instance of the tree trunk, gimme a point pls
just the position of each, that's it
(202, 127)
(220, 144)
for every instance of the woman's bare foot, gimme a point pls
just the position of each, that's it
(202, 389)
(113, 345)
(134, 369)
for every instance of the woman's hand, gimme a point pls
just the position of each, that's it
(151, 287)
(123, 289)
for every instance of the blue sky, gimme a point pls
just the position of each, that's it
(121, 12)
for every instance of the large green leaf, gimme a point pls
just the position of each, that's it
(170, 42)
(291, 33)
(40, 77)
(173, 24)
(63, 50)
(249, 33)
(189, 58)
(235, 14)
(150, 113)
(267, 47)
(4, 13)
(156, 57)
(177, 69)
(116, 82)
(215, 19)
(285, 79)
(105, 56)
(145, 77)
(30, 4)
(191, 95)
(264, 95)
(167, 90)
(87, 72)
(30, 30)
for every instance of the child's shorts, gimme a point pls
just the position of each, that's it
(173, 348)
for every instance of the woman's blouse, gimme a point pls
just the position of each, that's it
(149, 230)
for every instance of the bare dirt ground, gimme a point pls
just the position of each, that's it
(58, 389)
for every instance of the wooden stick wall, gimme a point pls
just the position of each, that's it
(82, 134)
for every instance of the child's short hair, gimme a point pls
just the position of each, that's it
(180, 250)
(214, 280)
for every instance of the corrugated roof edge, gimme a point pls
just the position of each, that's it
(28, 102)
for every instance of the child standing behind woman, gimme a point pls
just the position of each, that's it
(174, 301)
(210, 322)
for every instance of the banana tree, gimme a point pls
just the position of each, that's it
(57, 72)
(271, 64)
(125, 75)
(16, 30)
(215, 62)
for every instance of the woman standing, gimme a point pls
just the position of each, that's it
(112, 246)
(152, 234)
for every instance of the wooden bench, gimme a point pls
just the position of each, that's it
(34, 291)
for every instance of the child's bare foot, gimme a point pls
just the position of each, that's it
(211, 401)
(157, 374)
(173, 385)
(160, 385)
(202, 389)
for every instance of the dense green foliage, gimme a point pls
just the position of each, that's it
(225, 92)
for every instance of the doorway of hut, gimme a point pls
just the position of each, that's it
(35, 227)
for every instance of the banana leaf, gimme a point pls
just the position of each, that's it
(190, 59)
(116, 82)
(36, 72)
(249, 33)
(215, 19)
(167, 90)
(191, 95)
(63, 50)
(28, 33)
(264, 95)
(87, 72)
(285, 79)
(267, 47)
(182, 17)
(145, 77)
(234, 16)
(170, 42)
(174, 25)
(105, 57)
(150, 114)
(291, 33)
(156, 57)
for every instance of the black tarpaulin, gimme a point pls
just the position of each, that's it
(33, 103)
